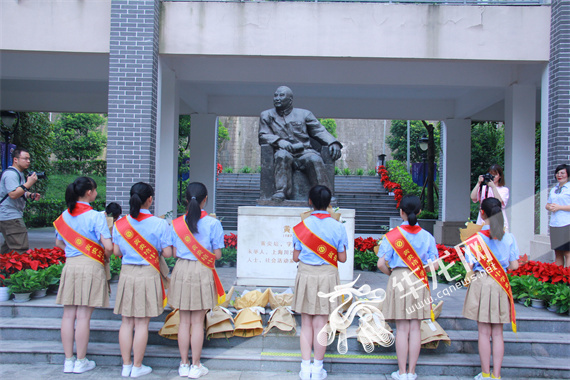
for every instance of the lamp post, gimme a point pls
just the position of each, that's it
(10, 122)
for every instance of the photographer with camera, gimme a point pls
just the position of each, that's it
(492, 185)
(14, 190)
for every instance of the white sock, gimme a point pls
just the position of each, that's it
(318, 363)
(305, 363)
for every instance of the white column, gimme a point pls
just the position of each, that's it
(520, 120)
(544, 151)
(456, 168)
(203, 153)
(167, 144)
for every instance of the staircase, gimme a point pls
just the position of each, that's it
(365, 194)
(30, 333)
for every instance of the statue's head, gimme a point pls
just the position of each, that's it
(283, 98)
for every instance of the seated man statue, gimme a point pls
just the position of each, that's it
(288, 130)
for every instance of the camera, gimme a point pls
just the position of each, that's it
(40, 175)
(486, 178)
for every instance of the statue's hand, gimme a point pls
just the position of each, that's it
(284, 144)
(334, 151)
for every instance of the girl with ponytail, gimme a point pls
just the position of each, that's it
(193, 289)
(406, 249)
(141, 239)
(84, 235)
(486, 301)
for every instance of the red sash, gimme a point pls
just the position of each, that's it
(84, 245)
(146, 250)
(204, 256)
(317, 245)
(493, 267)
(408, 255)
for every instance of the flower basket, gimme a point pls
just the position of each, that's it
(39, 293)
(537, 303)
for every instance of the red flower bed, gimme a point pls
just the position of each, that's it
(452, 257)
(364, 245)
(545, 272)
(230, 241)
(390, 186)
(35, 259)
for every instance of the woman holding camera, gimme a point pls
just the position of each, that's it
(494, 188)
(559, 204)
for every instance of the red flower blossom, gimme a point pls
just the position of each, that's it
(230, 241)
(390, 186)
(35, 259)
(545, 272)
(364, 245)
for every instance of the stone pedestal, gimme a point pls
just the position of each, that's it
(265, 245)
(447, 233)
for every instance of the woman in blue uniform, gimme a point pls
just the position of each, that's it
(400, 304)
(193, 289)
(486, 301)
(83, 233)
(316, 273)
(140, 238)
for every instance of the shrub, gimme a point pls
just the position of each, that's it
(115, 264)
(399, 174)
(371, 172)
(346, 171)
(44, 212)
(359, 172)
(228, 170)
(427, 215)
(337, 171)
(90, 167)
(245, 170)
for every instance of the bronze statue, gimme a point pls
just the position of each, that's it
(289, 132)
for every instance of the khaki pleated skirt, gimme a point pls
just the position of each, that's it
(139, 292)
(83, 283)
(310, 280)
(192, 286)
(486, 301)
(397, 306)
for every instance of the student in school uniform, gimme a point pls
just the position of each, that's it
(140, 238)
(83, 233)
(195, 286)
(489, 299)
(319, 242)
(405, 249)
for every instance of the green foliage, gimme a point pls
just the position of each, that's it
(487, 148)
(245, 170)
(359, 172)
(57, 183)
(371, 172)
(88, 168)
(427, 215)
(44, 212)
(330, 125)
(35, 134)
(79, 137)
(115, 264)
(398, 140)
(561, 297)
(183, 132)
(398, 173)
(337, 171)
(366, 260)
(223, 135)
(346, 171)
(531, 288)
(52, 275)
(228, 170)
(170, 261)
(229, 256)
(258, 169)
(25, 281)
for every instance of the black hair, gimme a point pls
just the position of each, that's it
(195, 194)
(494, 213)
(140, 192)
(77, 189)
(114, 209)
(411, 206)
(320, 196)
(562, 167)
(499, 170)
(16, 152)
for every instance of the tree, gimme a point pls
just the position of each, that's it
(34, 133)
(79, 137)
(487, 148)
(397, 141)
(330, 125)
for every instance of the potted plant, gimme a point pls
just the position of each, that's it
(561, 299)
(170, 262)
(53, 275)
(115, 264)
(4, 291)
(229, 256)
(22, 284)
(40, 277)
